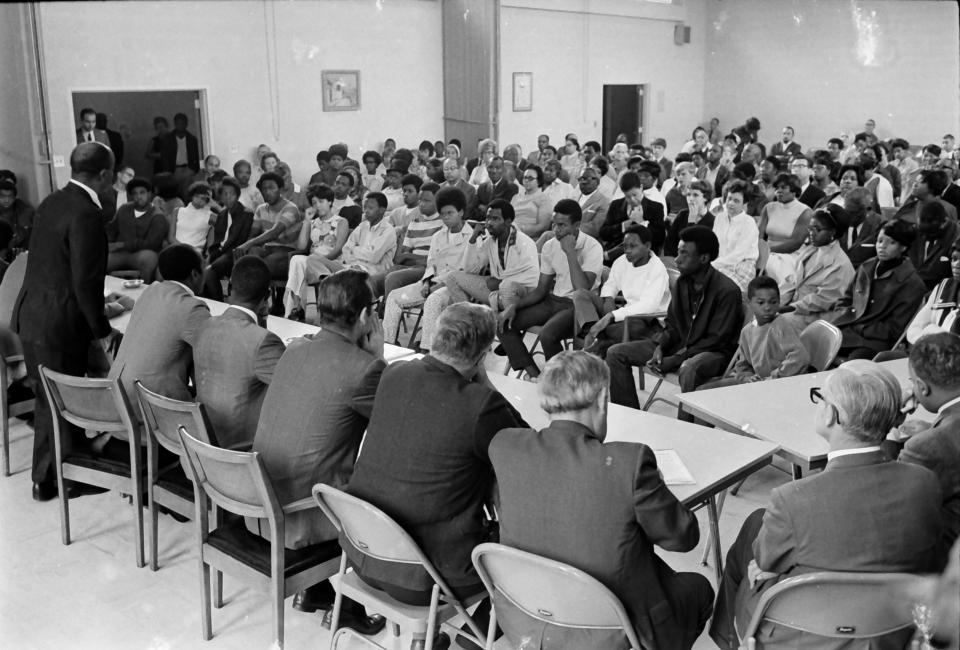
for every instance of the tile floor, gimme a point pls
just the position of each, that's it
(91, 594)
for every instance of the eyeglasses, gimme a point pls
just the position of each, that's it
(529, 178)
(816, 396)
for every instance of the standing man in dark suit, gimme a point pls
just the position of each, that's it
(424, 459)
(231, 228)
(88, 131)
(839, 519)
(60, 311)
(180, 153)
(601, 508)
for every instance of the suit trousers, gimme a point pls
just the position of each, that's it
(722, 628)
(70, 359)
(555, 314)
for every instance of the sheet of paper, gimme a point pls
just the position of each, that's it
(672, 467)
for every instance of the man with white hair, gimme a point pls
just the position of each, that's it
(566, 495)
(863, 513)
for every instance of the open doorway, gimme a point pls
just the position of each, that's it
(131, 112)
(622, 113)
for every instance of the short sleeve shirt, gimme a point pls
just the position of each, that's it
(553, 261)
(286, 213)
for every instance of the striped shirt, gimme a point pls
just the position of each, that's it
(419, 233)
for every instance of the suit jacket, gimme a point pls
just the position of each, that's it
(611, 232)
(98, 136)
(880, 307)
(811, 196)
(242, 222)
(598, 507)
(933, 262)
(841, 520)
(952, 196)
(61, 301)
(723, 175)
(424, 462)
(115, 142)
(157, 346)
(594, 213)
(938, 449)
(168, 152)
(865, 243)
(487, 192)
(910, 209)
(681, 221)
(234, 360)
(311, 425)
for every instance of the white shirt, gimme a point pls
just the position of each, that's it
(394, 198)
(646, 288)
(246, 311)
(181, 151)
(91, 193)
(739, 247)
(884, 191)
(185, 287)
(655, 195)
(558, 190)
(955, 400)
(553, 261)
(850, 452)
(250, 197)
(607, 186)
(934, 316)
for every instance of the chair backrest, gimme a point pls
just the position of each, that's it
(10, 287)
(368, 528)
(89, 403)
(550, 591)
(838, 605)
(163, 416)
(234, 480)
(822, 340)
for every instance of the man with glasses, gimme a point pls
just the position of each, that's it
(451, 176)
(810, 194)
(841, 518)
(593, 203)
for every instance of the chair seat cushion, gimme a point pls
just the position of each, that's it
(99, 463)
(235, 540)
(177, 482)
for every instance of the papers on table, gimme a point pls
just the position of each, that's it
(672, 467)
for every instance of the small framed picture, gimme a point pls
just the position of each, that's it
(341, 90)
(522, 91)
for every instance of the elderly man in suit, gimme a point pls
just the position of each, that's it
(841, 518)
(497, 187)
(60, 311)
(313, 418)
(935, 378)
(88, 131)
(157, 346)
(424, 459)
(451, 175)
(593, 203)
(231, 228)
(234, 356)
(566, 495)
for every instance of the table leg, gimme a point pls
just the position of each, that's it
(797, 472)
(710, 538)
(714, 517)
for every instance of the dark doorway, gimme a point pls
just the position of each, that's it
(622, 113)
(131, 113)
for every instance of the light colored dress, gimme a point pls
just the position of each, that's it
(192, 226)
(306, 269)
(781, 220)
(529, 209)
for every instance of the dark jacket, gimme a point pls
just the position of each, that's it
(599, 507)
(952, 196)
(880, 308)
(611, 232)
(61, 301)
(933, 262)
(168, 152)
(487, 192)
(424, 462)
(138, 233)
(713, 327)
(20, 218)
(239, 231)
(811, 196)
(865, 243)
(681, 221)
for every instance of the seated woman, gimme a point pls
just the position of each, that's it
(822, 274)
(885, 294)
(699, 195)
(849, 177)
(325, 233)
(191, 223)
(783, 225)
(939, 312)
(737, 233)
(863, 225)
(531, 206)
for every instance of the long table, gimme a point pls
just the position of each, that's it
(715, 459)
(779, 411)
(286, 329)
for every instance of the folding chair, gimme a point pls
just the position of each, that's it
(549, 592)
(837, 605)
(375, 534)
(568, 344)
(822, 340)
(406, 312)
(162, 417)
(9, 289)
(98, 405)
(237, 482)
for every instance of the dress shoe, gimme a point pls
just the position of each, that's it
(499, 350)
(307, 602)
(441, 641)
(297, 314)
(44, 491)
(366, 625)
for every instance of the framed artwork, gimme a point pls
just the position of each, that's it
(522, 91)
(341, 90)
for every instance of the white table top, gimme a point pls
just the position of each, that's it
(286, 329)
(777, 410)
(716, 459)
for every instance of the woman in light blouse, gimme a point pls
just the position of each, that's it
(531, 206)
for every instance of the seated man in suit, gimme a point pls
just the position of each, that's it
(930, 252)
(231, 228)
(234, 356)
(935, 378)
(427, 467)
(841, 518)
(702, 326)
(633, 208)
(859, 240)
(570, 261)
(566, 495)
(137, 232)
(810, 193)
(88, 131)
(594, 203)
(498, 187)
(157, 347)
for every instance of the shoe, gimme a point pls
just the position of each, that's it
(44, 491)
(303, 602)
(366, 625)
(297, 314)
(163, 510)
(442, 641)
(499, 351)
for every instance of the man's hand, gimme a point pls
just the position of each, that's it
(756, 575)
(752, 379)
(478, 230)
(372, 341)
(596, 330)
(568, 244)
(505, 318)
(111, 343)
(426, 289)
(493, 283)
(656, 359)
(240, 251)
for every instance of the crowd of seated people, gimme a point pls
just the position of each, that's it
(641, 260)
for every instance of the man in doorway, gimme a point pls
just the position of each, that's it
(161, 127)
(88, 131)
(180, 153)
(114, 138)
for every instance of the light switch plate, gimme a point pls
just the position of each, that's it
(58, 161)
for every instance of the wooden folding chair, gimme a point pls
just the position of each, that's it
(9, 289)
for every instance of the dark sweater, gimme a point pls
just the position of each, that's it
(705, 319)
(138, 233)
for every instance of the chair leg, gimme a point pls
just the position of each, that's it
(432, 618)
(137, 501)
(278, 610)
(205, 615)
(64, 507)
(491, 630)
(217, 589)
(154, 513)
(5, 415)
(653, 394)
(736, 488)
(337, 604)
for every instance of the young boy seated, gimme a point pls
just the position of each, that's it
(770, 347)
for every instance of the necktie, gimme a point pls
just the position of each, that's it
(89, 136)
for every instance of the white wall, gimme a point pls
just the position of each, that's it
(222, 47)
(574, 47)
(826, 67)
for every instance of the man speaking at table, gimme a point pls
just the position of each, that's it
(59, 311)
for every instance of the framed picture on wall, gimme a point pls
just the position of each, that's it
(522, 91)
(341, 90)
